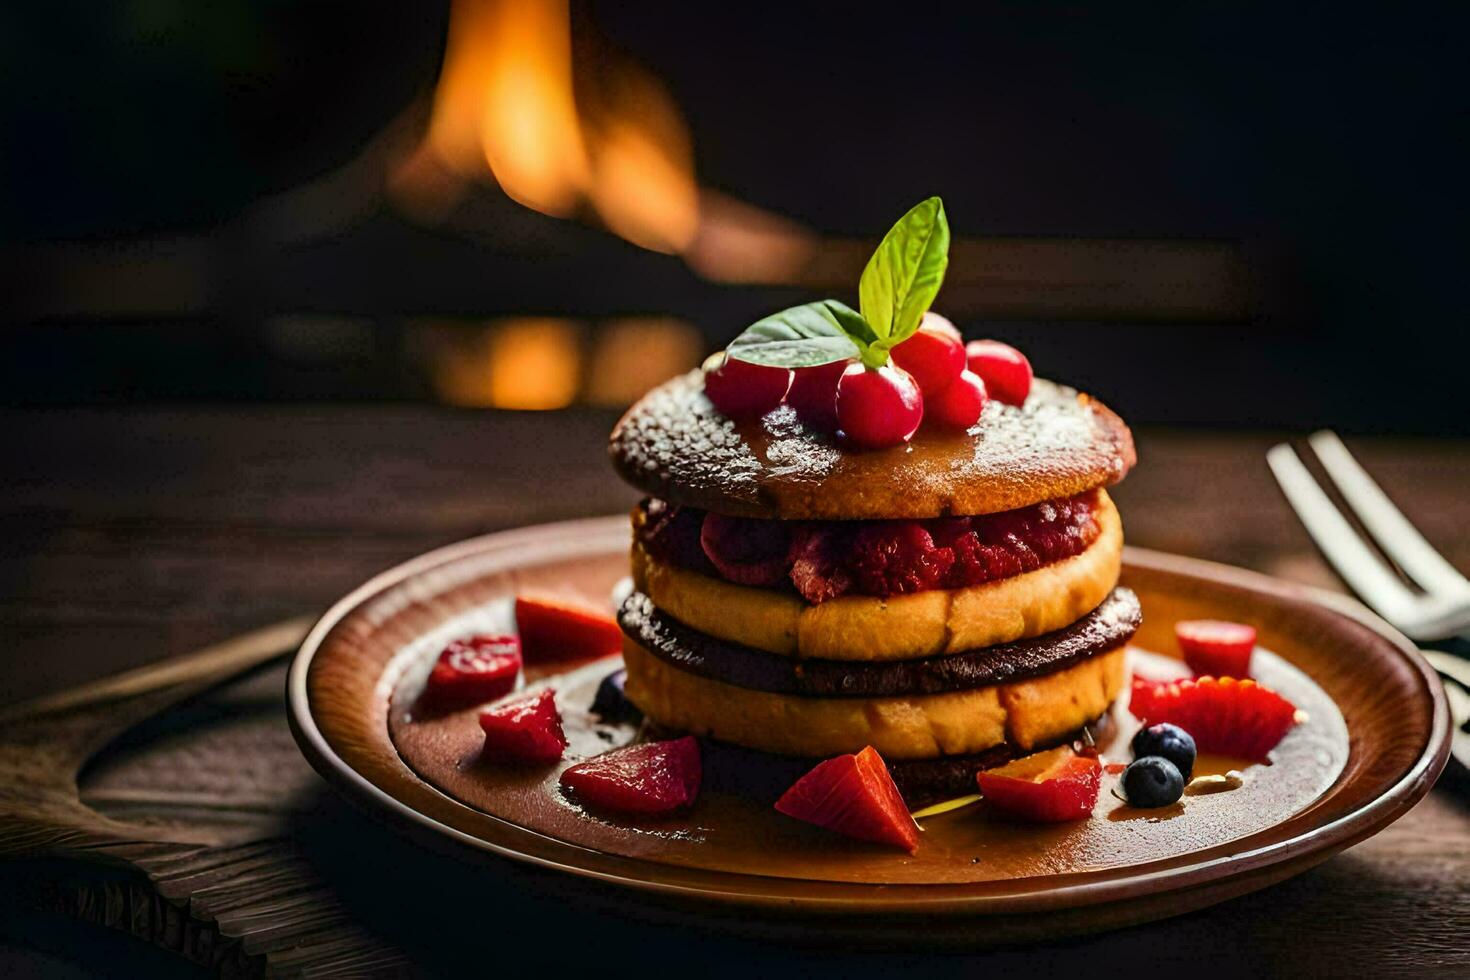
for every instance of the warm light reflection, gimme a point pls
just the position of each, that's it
(633, 354)
(521, 363)
(534, 363)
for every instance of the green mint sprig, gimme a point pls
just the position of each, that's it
(897, 286)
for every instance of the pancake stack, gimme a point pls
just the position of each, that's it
(953, 602)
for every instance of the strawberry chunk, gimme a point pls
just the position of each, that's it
(474, 669)
(856, 796)
(1048, 787)
(1216, 648)
(651, 777)
(554, 629)
(1225, 715)
(524, 729)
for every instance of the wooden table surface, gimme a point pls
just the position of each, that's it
(131, 536)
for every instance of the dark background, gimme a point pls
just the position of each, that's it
(1322, 143)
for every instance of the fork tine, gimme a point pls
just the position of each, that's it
(1354, 560)
(1398, 538)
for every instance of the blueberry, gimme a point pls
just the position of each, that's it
(1152, 781)
(611, 704)
(1169, 741)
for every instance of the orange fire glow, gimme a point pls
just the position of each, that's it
(603, 139)
(506, 103)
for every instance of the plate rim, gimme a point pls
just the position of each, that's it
(1301, 850)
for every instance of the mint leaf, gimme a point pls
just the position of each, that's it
(804, 336)
(904, 274)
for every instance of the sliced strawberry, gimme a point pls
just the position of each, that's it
(856, 796)
(1048, 787)
(1216, 648)
(1225, 715)
(555, 629)
(651, 777)
(524, 729)
(474, 669)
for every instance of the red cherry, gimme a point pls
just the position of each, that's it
(813, 394)
(745, 391)
(959, 405)
(1005, 370)
(936, 321)
(878, 408)
(935, 357)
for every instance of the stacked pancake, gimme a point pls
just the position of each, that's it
(952, 602)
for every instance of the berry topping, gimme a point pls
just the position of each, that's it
(651, 777)
(897, 557)
(934, 357)
(813, 394)
(554, 629)
(818, 569)
(743, 390)
(1005, 370)
(959, 405)
(748, 552)
(1215, 647)
(1152, 781)
(1232, 717)
(474, 670)
(611, 703)
(1167, 741)
(671, 533)
(1048, 787)
(878, 408)
(524, 729)
(826, 560)
(997, 546)
(853, 795)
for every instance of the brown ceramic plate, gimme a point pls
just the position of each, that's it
(1374, 740)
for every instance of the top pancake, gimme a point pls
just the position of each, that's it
(675, 445)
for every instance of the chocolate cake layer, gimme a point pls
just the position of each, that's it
(1108, 626)
(673, 444)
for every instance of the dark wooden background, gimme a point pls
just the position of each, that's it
(127, 536)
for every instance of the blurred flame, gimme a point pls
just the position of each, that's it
(603, 134)
(642, 161)
(529, 129)
(506, 102)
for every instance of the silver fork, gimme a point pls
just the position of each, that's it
(1440, 611)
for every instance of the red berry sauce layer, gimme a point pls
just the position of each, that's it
(824, 560)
